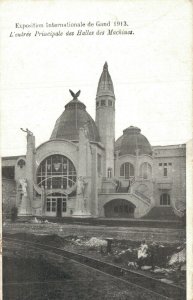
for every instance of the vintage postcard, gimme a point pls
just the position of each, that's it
(96, 149)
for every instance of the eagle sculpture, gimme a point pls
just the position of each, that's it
(75, 96)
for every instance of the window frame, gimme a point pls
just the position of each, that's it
(166, 168)
(48, 204)
(64, 205)
(165, 201)
(128, 170)
(109, 173)
(110, 103)
(56, 172)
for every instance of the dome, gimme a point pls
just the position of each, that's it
(132, 141)
(74, 117)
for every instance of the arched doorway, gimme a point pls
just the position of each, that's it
(119, 208)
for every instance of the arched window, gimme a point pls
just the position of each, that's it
(145, 170)
(165, 199)
(21, 163)
(127, 170)
(56, 172)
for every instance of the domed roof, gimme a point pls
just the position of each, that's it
(74, 117)
(133, 142)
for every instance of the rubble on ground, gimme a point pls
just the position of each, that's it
(92, 242)
(178, 258)
(161, 270)
(166, 280)
(145, 268)
(46, 222)
(36, 221)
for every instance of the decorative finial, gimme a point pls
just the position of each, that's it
(75, 96)
(27, 131)
(105, 66)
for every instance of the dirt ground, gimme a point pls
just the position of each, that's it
(123, 250)
(28, 275)
(89, 240)
(165, 235)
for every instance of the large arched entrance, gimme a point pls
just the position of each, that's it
(56, 175)
(119, 208)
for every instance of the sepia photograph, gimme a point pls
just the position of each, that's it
(96, 149)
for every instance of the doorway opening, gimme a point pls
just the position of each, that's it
(56, 204)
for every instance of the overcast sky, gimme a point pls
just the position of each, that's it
(151, 70)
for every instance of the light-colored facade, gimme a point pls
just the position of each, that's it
(82, 172)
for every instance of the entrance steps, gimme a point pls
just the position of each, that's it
(161, 213)
(122, 190)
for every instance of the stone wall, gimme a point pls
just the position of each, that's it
(174, 182)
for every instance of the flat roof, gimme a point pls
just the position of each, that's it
(11, 157)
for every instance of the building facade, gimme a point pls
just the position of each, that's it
(81, 171)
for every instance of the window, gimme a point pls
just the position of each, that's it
(56, 172)
(8, 172)
(48, 205)
(103, 102)
(97, 104)
(110, 103)
(109, 172)
(21, 163)
(165, 199)
(165, 167)
(63, 205)
(165, 171)
(127, 170)
(51, 205)
(145, 170)
(99, 163)
(122, 170)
